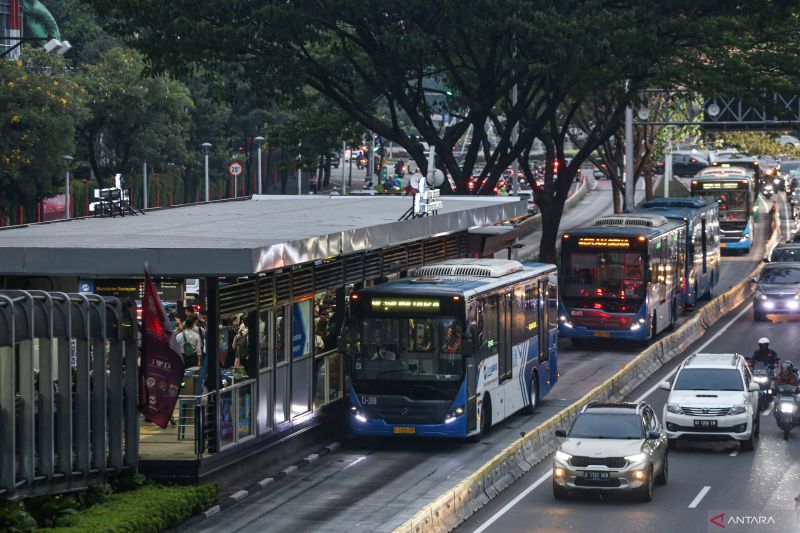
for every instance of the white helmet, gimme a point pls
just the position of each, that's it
(763, 340)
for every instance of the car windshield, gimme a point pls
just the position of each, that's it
(788, 166)
(410, 349)
(786, 254)
(780, 276)
(716, 379)
(604, 275)
(607, 426)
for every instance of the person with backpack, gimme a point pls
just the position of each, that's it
(191, 343)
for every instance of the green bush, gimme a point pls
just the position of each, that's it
(151, 508)
(94, 495)
(14, 518)
(48, 509)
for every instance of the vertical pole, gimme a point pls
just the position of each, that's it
(299, 170)
(341, 162)
(235, 185)
(431, 164)
(208, 191)
(144, 184)
(514, 136)
(259, 168)
(370, 157)
(67, 214)
(350, 176)
(629, 185)
(667, 169)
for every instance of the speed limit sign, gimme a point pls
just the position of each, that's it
(235, 169)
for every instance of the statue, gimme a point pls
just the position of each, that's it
(39, 22)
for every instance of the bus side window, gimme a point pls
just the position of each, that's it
(705, 241)
(552, 303)
(525, 314)
(491, 328)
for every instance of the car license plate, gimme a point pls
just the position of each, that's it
(404, 430)
(595, 476)
(604, 334)
(705, 423)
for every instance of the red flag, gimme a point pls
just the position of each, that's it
(161, 372)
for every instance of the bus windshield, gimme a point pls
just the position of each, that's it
(416, 349)
(732, 204)
(604, 275)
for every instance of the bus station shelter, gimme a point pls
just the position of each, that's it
(275, 273)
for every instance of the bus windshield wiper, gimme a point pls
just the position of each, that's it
(392, 371)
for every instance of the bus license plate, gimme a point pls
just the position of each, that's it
(404, 430)
(604, 334)
(596, 476)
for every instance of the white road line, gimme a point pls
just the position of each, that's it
(734, 453)
(722, 330)
(513, 502)
(354, 463)
(699, 497)
(767, 411)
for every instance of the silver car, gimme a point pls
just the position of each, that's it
(612, 446)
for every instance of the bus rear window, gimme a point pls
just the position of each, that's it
(602, 274)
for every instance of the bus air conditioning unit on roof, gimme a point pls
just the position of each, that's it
(470, 268)
(649, 221)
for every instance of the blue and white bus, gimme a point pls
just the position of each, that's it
(702, 241)
(454, 349)
(735, 196)
(622, 278)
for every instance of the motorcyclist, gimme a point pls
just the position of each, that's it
(764, 353)
(787, 375)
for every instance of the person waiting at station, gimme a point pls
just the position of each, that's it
(382, 352)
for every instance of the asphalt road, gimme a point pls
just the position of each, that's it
(376, 485)
(705, 478)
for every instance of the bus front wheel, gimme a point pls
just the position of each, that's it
(486, 420)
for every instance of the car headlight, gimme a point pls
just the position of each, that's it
(793, 304)
(635, 327)
(674, 408)
(760, 379)
(563, 456)
(636, 458)
(737, 410)
(787, 407)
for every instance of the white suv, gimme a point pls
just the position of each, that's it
(713, 397)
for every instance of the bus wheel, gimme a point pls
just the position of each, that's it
(534, 395)
(486, 420)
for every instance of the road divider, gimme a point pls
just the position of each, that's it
(455, 505)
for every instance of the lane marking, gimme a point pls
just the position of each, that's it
(767, 411)
(699, 497)
(354, 463)
(734, 453)
(507, 507)
(722, 330)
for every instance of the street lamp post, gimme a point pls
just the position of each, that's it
(259, 140)
(68, 159)
(206, 146)
(300, 168)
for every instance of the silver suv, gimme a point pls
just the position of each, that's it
(612, 446)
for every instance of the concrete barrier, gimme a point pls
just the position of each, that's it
(458, 503)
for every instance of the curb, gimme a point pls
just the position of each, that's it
(455, 505)
(257, 487)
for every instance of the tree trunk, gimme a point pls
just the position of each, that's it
(326, 170)
(616, 197)
(648, 185)
(551, 220)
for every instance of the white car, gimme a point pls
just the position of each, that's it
(713, 397)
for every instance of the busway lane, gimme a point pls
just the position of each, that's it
(377, 485)
(704, 477)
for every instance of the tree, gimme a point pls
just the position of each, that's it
(131, 119)
(39, 103)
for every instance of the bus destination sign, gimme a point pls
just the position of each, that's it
(393, 305)
(720, 185)
(603, 242)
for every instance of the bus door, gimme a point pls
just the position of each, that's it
(504, 356)
(705, 245)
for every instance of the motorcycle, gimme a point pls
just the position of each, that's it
(786, 408)
(763, 374)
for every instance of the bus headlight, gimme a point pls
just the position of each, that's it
(635, 327)
(357, 414)
(453, 414)
(745, 237)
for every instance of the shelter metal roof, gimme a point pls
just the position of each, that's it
(235, 238)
